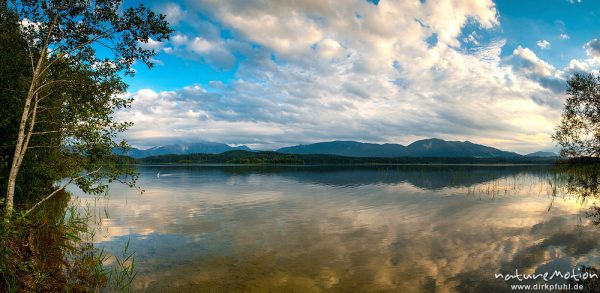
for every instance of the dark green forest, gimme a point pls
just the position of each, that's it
(246, 157)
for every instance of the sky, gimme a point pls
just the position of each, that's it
(269, 74)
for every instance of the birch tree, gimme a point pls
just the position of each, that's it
(77, 53)
(578, 132)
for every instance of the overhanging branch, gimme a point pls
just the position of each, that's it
(59, 189)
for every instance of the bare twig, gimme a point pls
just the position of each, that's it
(45, 132)
(52, 82)
(42, 146)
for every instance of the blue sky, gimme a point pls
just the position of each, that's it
(274, 73)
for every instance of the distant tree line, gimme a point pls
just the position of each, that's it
(247, 157)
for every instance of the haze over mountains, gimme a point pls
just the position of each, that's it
(422, 148)
(186, 148)
(542, 154)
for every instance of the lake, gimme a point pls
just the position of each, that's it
(348, 229)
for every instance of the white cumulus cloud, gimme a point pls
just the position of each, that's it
(543, 44)
(317, 70)
(593, 49)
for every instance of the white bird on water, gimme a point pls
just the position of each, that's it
(158, 174)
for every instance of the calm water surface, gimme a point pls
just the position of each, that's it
(345, 229)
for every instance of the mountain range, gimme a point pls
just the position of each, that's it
(182, 149)
(422, 148)
(541, 154)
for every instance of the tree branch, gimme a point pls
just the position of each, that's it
(104, 34)
(42, 146)
(45, 132)
(47, 40)
(59, 189)
(112, 49)
(39, 88)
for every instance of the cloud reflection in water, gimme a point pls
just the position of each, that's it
(312, 229)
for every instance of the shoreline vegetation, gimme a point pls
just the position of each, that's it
(240, 157)
(52, 249)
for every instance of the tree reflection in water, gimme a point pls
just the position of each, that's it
(48, 251)
(583, 182)
(52, 250)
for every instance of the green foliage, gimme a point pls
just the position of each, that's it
(58, 94)
(50, 250)
(578, 132)
(123, 272)
(14, 76)
(54, 73)
(72, 30)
